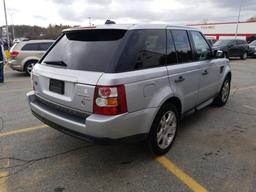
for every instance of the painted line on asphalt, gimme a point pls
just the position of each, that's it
(3, 185)
(17, 80)
(242, 88)
(24, 130)
(14, 90)
(186, 179)
(249, 107)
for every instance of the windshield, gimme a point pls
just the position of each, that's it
(88, 50)
(253, 43)
(222, 42)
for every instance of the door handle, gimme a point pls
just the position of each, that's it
(221, 69)
(205, 72)
(180, 79)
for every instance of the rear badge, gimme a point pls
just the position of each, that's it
(83, 102)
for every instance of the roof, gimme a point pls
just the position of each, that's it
(130, 27)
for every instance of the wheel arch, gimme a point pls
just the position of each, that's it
(28, 61)
(176, 102)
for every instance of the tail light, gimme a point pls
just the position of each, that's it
(109, 100)
(14, 54)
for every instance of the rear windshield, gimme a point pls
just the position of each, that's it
(253, 43)
(88, 50)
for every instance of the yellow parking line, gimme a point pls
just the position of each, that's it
(243, 88)
(3, 186)
(249, 107)
(4, 134)
(14, 90)
(16, 80)
(189, 181)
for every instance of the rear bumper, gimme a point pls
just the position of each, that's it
(15, 66)
(95, 127)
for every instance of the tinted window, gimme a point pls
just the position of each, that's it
(202, 49)
(232, 42)
(241, 42)
(144, 49)
(171, 53)
(89, 50)
(182, 46)
(44, 46)
(31, 47)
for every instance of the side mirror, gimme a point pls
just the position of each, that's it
(218, 54)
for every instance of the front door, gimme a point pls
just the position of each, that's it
(209, 72)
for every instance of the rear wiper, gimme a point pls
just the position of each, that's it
(59, 63)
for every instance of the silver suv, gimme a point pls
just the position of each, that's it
(25, 54)
(118, 82)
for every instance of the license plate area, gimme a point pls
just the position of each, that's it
(57, 86)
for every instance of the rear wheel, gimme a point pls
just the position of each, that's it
(163, 130)
(29, 67)
(223, 96)
(244, 56)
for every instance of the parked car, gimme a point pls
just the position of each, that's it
(232, 48)
(118, 82)
(25, 54)
(252, 48)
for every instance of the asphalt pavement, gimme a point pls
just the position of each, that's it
(215, 149)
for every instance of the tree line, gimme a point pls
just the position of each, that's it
(35, 32)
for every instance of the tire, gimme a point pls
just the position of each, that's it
(163, 132)
(244, 56)
(223, 95)
(29, 66)
(225, 55)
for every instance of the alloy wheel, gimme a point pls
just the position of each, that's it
(166, 130)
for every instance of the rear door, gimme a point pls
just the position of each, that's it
(209, 68)
(184, 74)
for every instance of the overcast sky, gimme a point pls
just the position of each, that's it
(76, 12)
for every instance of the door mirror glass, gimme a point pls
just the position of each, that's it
(219, 54)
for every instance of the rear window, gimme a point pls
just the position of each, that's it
(144, 49)
(44, 46)
(88, 50)
(183, 48)
(30, 47)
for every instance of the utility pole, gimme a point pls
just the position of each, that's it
(13, 33)
(90, 23)
(238, 18)
(6, 23)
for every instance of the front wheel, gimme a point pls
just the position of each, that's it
(244, 56)
(225, 55)
(223, 95)
(163, 129)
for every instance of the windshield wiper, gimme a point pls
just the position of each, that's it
(59, 63)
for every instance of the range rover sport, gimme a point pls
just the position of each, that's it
(116, 82)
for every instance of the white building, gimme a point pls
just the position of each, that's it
(246, 30)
